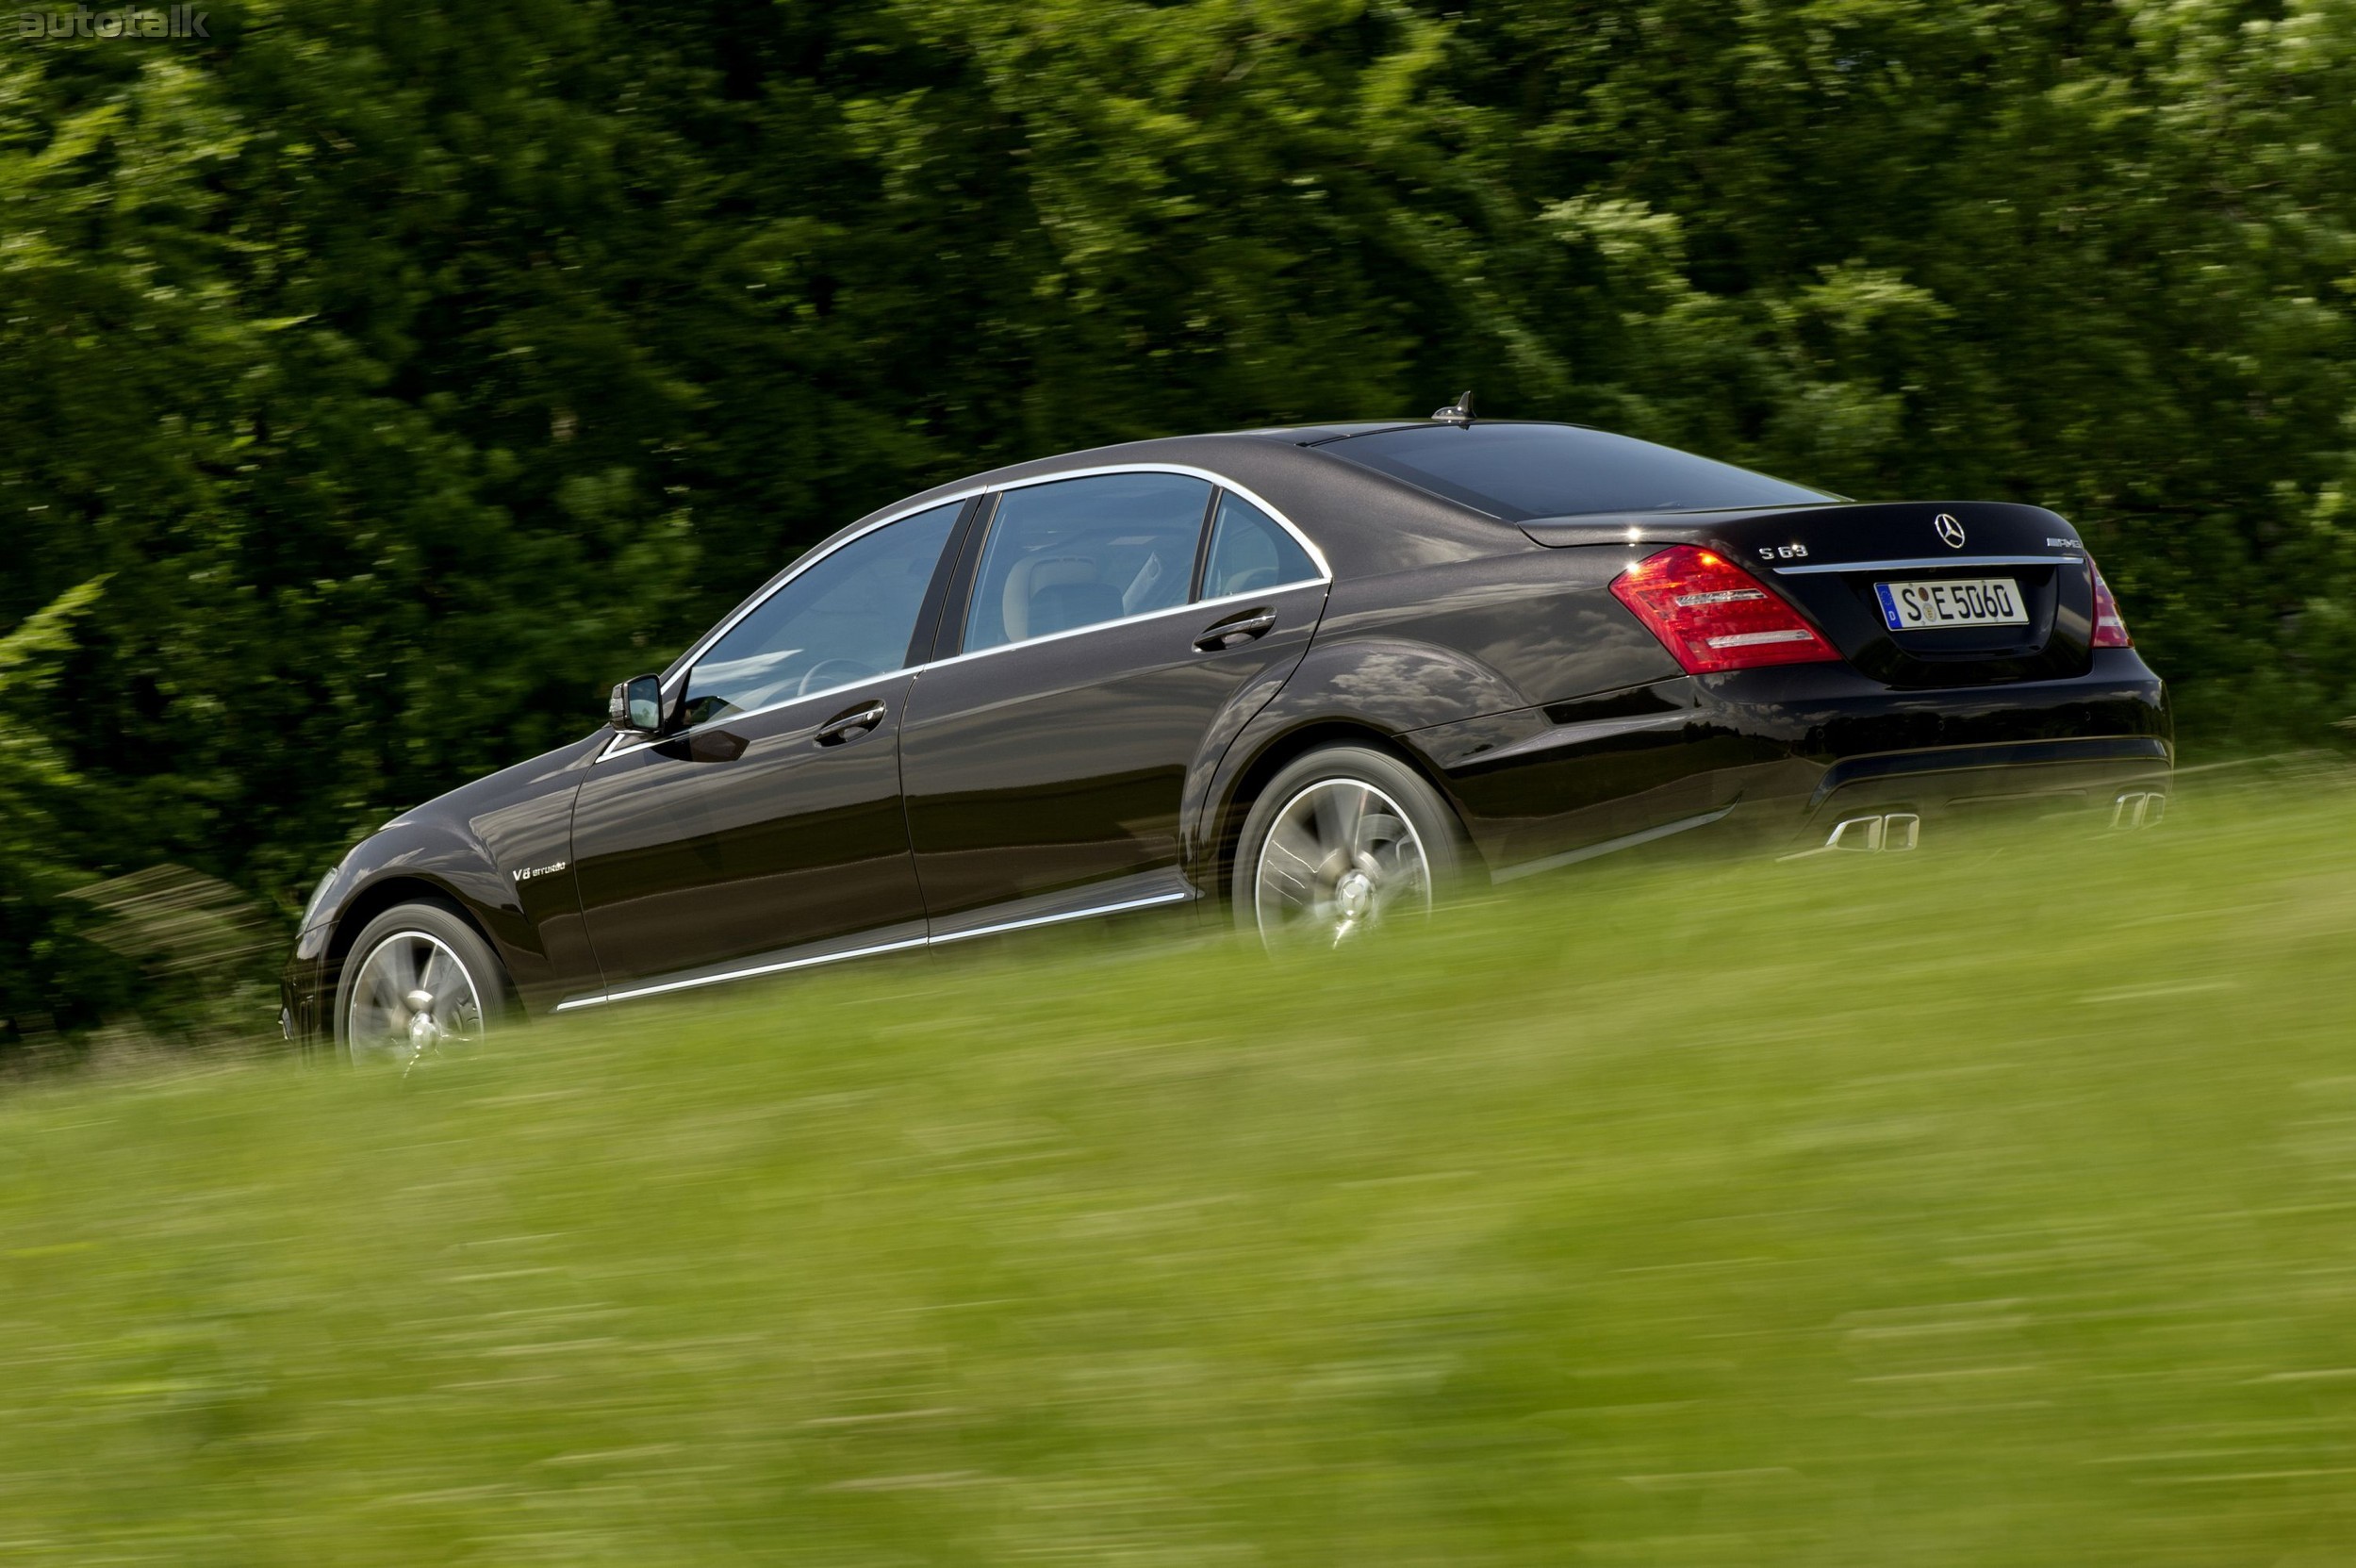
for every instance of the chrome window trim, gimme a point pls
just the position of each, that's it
(1126, 620)
(1926, 563)
(754, 971)
(618, 747)
(1317, 556)
(809, 558)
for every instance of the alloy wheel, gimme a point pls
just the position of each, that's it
(1339, 857)
(412, 999)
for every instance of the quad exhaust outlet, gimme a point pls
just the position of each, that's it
(1866, 835)
(1899, 830)
(1903, 829)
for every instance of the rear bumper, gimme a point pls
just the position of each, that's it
(1827, 713)
(2093, 771)
(1780, 755)
(1859, 748)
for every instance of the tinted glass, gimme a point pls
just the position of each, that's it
(1519, 472)
(1250, 551)
(850, 617)
(1081, 552)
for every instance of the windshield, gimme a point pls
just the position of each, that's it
(1521, 471)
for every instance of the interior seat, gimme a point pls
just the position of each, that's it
(1030, 586)
(1064, 606)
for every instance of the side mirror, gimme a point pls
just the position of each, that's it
(637, 706)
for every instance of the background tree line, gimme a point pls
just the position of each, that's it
(379, 379)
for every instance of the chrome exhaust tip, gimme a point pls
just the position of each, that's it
(2139, 808)
(1898, 830)
(1890, 832)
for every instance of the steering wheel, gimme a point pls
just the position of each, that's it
(845, 671)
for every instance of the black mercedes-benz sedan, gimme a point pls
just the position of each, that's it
(1302, 675)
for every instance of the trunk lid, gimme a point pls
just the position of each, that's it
(1833, 560)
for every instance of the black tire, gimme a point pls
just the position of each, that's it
(1437, 833)
(442, 928)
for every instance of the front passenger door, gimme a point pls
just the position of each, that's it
(769, 830)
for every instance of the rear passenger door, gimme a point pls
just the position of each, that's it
(1105, 621)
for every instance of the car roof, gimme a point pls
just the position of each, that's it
(1342, 430)
(1337, 503)
(1318, 435)
(1181, 450)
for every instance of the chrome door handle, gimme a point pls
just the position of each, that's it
(1237, 628)
(851, 724)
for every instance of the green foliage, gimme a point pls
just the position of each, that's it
(418, 369)
(45, 970)
(1525, 1238)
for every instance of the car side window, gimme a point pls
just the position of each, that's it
(1251, 551)
(847, 618)
(1081, 552)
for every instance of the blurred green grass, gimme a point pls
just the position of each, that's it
(1989, 1205)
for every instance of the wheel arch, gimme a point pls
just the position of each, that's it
(1279, 752)
(390, 893)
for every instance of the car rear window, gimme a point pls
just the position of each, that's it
(1521, 471)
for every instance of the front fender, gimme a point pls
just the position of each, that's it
(406, 859)
(398, 863)
(501, 848)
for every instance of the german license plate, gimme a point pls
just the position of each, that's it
(1951, 601)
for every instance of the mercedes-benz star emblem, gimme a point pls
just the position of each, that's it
(1949, 530)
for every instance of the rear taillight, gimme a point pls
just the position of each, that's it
(1712, 615)
(2109, 629)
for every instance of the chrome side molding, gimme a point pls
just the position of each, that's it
(906, 937)
(1609, 845)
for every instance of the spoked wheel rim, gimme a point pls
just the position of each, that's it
(411, 999)
(1341, 857)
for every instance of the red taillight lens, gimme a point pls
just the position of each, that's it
(1712, 615)
(2109, 629)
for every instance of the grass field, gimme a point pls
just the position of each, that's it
(1991, 1205)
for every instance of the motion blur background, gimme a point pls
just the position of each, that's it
(380, 379)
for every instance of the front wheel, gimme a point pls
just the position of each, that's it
(418, 983)
(1344, 840)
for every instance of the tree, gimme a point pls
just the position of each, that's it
(47, 974)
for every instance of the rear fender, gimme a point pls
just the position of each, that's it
(1382, 689)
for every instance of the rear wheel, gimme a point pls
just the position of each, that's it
(1344, 840)
(419, 983)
